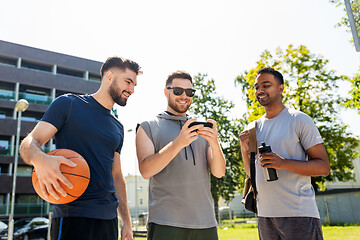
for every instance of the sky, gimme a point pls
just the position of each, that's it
(219, 38)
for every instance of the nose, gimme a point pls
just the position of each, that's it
(131, 88)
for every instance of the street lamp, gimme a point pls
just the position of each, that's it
(20, 107)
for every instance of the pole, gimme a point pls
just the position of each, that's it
(11, 216)
(353, 27)
(20, 107)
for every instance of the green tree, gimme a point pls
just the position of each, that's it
(354, 100)
(355, 5)
(208, 105)
(311, 88)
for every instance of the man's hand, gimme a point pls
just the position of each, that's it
(272, 160)
(187, 135)
(47, 169)
(126, 232)
(210, 134)
(244, 141)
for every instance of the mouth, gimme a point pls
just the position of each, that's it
(126, 94)
(262, 96)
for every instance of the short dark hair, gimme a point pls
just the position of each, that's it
(277, 75)
(178, 74)
(120, 63)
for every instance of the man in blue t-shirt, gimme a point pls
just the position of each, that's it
(85, 124)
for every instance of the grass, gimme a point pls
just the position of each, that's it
(250, 232)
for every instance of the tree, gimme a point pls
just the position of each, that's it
(208, 105)
(311, 88)
(354, 100)
(355, 5)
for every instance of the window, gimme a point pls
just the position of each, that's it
(141, 201)
(94, 77)
(59, 93)
(24, 171)
(5, 146)
(7, 91)
(69, 72)
(31, 116)
(8, 61)
(36, 66)
(35, 94)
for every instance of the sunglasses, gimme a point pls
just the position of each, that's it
(178, 91)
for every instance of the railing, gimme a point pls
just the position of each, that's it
(5, 151)
(29, 209)
(37, 99)
(7, 95)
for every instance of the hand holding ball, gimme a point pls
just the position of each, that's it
(79, 176)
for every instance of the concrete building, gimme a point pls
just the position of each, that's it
(137, 193)
(39, 76)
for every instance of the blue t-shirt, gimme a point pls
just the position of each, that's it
(90, 129)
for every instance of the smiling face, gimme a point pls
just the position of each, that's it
(178, 105)
(122, 85)
(268, 90)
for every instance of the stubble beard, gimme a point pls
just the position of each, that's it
(114, 94)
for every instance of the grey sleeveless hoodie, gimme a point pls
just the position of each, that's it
(180, 194)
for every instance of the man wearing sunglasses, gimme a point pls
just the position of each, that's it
(176, 159)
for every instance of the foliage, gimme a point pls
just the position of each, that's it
(354, 100)
(355, 6)
(311, 88)
(206, 104)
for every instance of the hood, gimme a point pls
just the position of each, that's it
(167, 116)
(180, 120)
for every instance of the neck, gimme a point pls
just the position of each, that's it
(170, 110)
(104, 99)
(273, 111)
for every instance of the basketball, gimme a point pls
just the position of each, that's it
(79, 176)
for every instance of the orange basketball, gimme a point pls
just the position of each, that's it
(79, 176)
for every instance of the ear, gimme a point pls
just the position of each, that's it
(108, 76)
(166, 92)
(281, 88)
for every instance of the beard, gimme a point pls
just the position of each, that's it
(116, 94)
(172, 104)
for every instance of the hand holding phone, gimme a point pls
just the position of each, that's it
(206, 124)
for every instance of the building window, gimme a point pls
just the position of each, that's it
(141, 201)
(94, 77)
(36, 66)
(8, 61)
(31, 116)
(5, 149)
(35, 94)
(59, 93)
(4, 169)
(7, 91)
(24, 171)
(69, 72)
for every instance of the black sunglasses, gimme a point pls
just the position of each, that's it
(178, 91)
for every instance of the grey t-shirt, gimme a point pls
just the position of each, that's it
(289, 134)
(180, 194)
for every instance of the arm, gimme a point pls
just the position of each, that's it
(123, 208)
(318, 164)
(151, 163)
(215, 155)
(47, 167)
(244, 143)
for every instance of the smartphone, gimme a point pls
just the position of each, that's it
(206, 124)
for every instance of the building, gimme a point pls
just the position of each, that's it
(137, 189)
(39, 76)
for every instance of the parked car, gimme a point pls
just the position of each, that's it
(3, 226)
(29, 229)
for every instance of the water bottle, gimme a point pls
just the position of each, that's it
(269, 173)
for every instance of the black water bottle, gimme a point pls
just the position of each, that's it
(269, 173)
